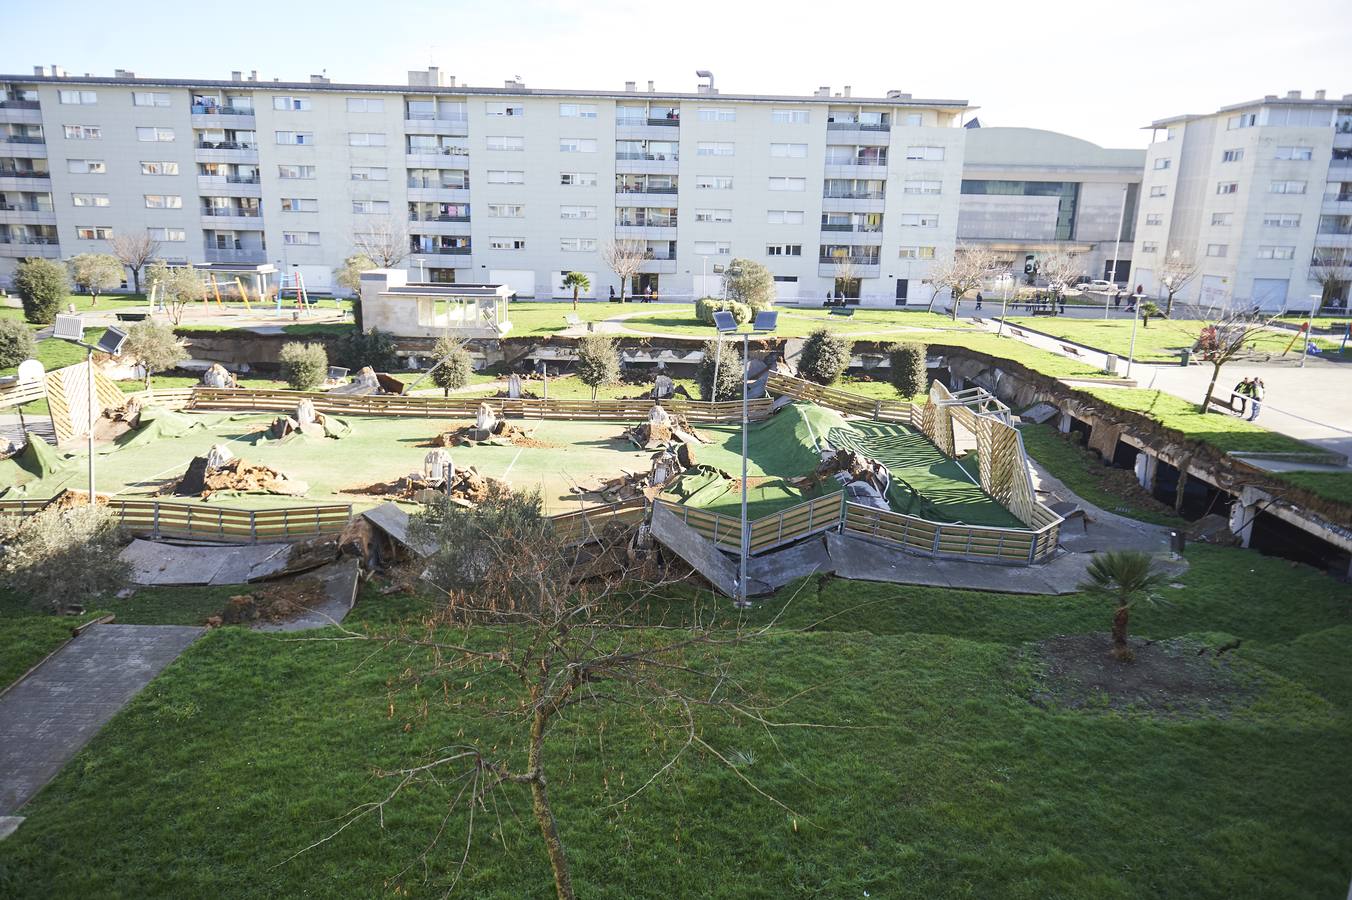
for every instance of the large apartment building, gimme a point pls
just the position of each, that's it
(834, 193)
(1257, 197)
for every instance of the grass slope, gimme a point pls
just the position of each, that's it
(1162, 341)
(945, 782)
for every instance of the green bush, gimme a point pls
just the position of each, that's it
(705, 307)
(304, 366)
(598, 361)
(42, 285)
(62, 555)
(825, 357)
(909, 374)
(453, 366)
(374, 348)
(751, 283)
(729, 371)
(16, 343)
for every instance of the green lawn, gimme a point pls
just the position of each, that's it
(27, 636)
(679, 318)
(1162, 341)
(532, 318)
(83, 303)
(941, 779)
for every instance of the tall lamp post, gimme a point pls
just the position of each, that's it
(71, 329)
(765, 323)
(1117, 245)
(1131, 348)
(1005, 280)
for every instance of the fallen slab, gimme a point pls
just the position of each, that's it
(701, 553)
(160, 563)
(780, 567)
(391, 519)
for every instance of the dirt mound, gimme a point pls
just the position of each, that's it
(662, 430)
(274, 603)
(468, 488)
(666, 469)
(500, 432)
(1177, 678)
(71, 498)
(237, 474)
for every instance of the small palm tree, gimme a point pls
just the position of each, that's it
(578, 282)
(1124, 577)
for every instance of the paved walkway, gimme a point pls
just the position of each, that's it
(47, 717)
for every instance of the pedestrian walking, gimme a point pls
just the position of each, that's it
(978, 301)
(1117, 300)
(1256, 394)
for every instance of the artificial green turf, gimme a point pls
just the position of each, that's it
(938, 778)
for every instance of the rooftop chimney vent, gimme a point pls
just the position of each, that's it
(650, 86)
(1293, 95)
(847, 90)
(631, 85)
(236, 76)
(1319, 95)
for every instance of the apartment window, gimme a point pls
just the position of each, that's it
(717, 114)
(784, 217)
(1301, 153)
(1150, 247)
(1227, 187)
(366, 139)
(916, 253)
(783, 249)
(1157, 190)
(922, 187)
(288, 171)
(788, 151)
(578, 179)
(506, 142)
(713, 182)
(577, 245)
(169, 235)
(160, 167)
(1287, 187)
(1232, 156)
(163, 201)
(370, 207)
(370, 173)
(83, 132)
(93, 232)
(1221, 220)
(714, 148)
(300, 238)
(154, 133)
(86, 167)
(365, 105)
(1281, 220)
(149, 98)
(1157, 219)
(1163, 163)
(506, 176)
(300, 204)
(577, 145)
(577, 110)
(77, 98)
(295, 137)
(920, 220)
(1271, 252)
(931, 154)
(506, 243)
(713, 215)
(915, 119)
(789, 116)
(503, 109)
(577, 212)
(290, 103)
(506, 210)
(1245, 120)
(1217, 250)
(89, 199)
(713, 248)
(787, 184)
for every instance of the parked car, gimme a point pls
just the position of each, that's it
(1099, 286)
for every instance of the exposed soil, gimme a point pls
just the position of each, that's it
(274, 603)
(502, 433)
(1171, 679)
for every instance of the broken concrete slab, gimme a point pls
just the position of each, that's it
(780, 567)
(864, 560)
(701, 553)
(160, 563)
(1039, 413)
(393, 521)
(338, 582)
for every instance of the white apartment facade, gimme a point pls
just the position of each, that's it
(510, 185)
(1258, 197)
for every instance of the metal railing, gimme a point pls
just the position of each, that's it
(232, 213)
(854, 195)
(20, 104)
(416, 217)
(226, 145)
(437, 151)
(657, 157)
(430, 184)
(650, 223)
(16, 173)
(21, 239)
(858, 126)
(202, 110)
(441, 251)
(22, 139)
(852, 260)
(861, 229)
(25, 207)
(853, 161)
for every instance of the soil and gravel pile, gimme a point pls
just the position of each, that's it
(662, 430)
(274, 603)
(501, 432)
(468, 488)
(203, 479)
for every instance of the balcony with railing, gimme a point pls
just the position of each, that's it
(441, 218)
(646, 120)
(665, 185)
(241, 254)
(642, 157)
(20, 110)
(10, 101)
(214, 115)
(29, 241)
(226, 180)
(837, 260)
(436, 245)
(28, 209)
(23, 179)
(449, 127)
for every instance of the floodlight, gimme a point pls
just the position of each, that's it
(111, 342)
(766, 320)
(68, 328)
(724, 322)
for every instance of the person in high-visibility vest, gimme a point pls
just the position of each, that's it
(1256, 394)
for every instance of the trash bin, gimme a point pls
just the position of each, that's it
(1185, 358)
(1110, 363)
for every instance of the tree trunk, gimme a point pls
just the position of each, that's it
(544, 814)
(1121, 649)
(1169, 305)
(136, 280)
(1211, 388)
(575, 297)
(957, 298)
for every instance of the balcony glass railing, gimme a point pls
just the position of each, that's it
(10, 103)
(449, 118)
(226, 145)
(23, 173)
(441, 251)
(438, 185)
(1338, 196)
(230, 212)
(646, 223)
(437, 151)
(854, 195)
(430, 217)
(205, 110)
(861, 228)
(644, 189)
(23, 139)
(661, 157)
(851, 260)
(25, 207)
(857, 126)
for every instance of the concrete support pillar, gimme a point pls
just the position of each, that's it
(1242, 513)
(1145, 469)
(1063, 424)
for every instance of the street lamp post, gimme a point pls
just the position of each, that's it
(1005, 280)
(1131, 348)
(1117, 245)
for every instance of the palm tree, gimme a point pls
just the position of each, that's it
(578, 282)
(1125, 578)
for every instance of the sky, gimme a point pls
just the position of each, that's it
(1099, 71)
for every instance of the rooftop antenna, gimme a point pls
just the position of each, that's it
(705, 73)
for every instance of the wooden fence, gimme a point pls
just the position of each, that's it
(12, 395)
(198, 521)
(586, 524)
(902, 411)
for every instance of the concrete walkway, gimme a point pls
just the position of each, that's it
(48, 716)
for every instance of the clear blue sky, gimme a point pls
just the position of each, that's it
(1096, 70)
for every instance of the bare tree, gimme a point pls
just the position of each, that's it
(1221, 341)
(1061, 268)
(179, 287)
(534, 631)
(135, 251)
(624, 258)
(1178, 271)
(1332, 274)
(845, 273)
(969, 267)
(384, 240)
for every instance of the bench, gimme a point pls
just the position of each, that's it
(840, 311)
(132, 316)
(1044, 311)
(1070, 350)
